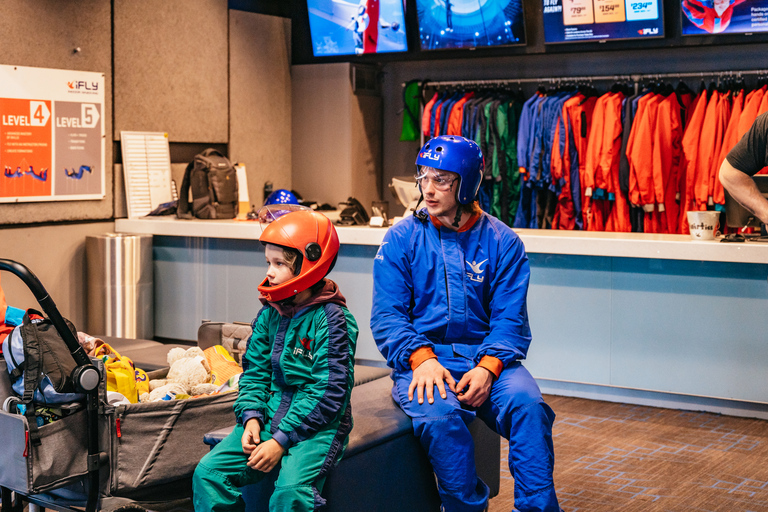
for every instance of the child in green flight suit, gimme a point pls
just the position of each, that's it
(293, 411)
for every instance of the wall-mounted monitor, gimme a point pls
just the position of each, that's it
(706, 17)
(578, 21)
(356, 27)
(452, 24)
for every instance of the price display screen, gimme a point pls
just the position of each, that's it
(567, 21)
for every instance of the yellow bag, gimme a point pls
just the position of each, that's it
(121, 374)
(142, 382)
(223, 365)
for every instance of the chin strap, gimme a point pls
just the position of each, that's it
(421, 215)
(457, 218)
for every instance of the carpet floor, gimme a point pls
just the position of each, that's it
(624, 458)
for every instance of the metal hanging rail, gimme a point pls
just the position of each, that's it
(559, 79)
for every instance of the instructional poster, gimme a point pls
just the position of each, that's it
(52, 137)
(601, 20)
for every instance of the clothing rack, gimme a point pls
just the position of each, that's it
(598, 78)
(634, 77)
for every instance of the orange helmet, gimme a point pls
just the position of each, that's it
(313, 235)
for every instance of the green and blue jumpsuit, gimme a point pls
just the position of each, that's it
(297, 380)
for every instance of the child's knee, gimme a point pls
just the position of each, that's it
(295, 498)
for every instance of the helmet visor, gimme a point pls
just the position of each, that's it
(271, 212)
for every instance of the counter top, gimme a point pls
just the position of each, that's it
(622, 245)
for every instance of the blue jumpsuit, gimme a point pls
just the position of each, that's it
(463, 294)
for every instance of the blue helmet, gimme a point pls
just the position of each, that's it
(281, 196)
(453, 153)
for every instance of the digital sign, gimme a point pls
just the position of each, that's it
(453, 24)
(341, 27)
(568, 21)
(705, 17)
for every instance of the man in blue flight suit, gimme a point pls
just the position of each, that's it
(449, 314)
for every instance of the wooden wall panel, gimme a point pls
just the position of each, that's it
(260, 99)
(171, 68)
(45, 34)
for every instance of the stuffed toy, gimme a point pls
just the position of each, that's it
(188, 374)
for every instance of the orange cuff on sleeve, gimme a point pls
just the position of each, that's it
(420, 355)
(492, 364)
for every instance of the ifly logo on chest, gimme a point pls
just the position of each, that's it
(477, 271)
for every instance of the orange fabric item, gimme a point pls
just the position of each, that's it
(466, 227)
(749, 112)
(427, 114)
(730, 138)
(705, 154)
(690, 150)
(721, 124)
(763, 105)
(634, 188)
(594, 147)
(420, 355)
(223, 365)
(667, 159)
(565, 212)
(640, 153)
(457, 115)
(618, 219)
(580, 117)
(491, 364)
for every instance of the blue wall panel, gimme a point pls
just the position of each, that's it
(690, 327)
(569, 307)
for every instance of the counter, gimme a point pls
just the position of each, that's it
(653, 319)
(581, 243)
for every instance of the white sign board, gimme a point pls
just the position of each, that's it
(51, 135)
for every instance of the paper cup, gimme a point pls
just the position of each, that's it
(703, 225)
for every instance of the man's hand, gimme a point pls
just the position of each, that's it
(426, 376)
(250, 438)
(266, 456)
(475, 386)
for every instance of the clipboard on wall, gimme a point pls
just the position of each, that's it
(146, 171)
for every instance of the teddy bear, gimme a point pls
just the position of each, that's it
(188, 374)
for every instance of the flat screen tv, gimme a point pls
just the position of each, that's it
(452, 24)
(578, 21)
(706, 17)
(344, 27)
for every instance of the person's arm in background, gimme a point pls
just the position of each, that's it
(742, 187)
(746, 159)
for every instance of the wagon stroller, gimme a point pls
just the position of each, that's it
(103, 456)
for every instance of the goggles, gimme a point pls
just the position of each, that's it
(441, 180)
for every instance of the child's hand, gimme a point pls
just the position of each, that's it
(250, 437)
(266, 456)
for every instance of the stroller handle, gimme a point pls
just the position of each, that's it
(49, 307)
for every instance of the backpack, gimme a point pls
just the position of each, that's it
(40, 366)
(213, 181)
